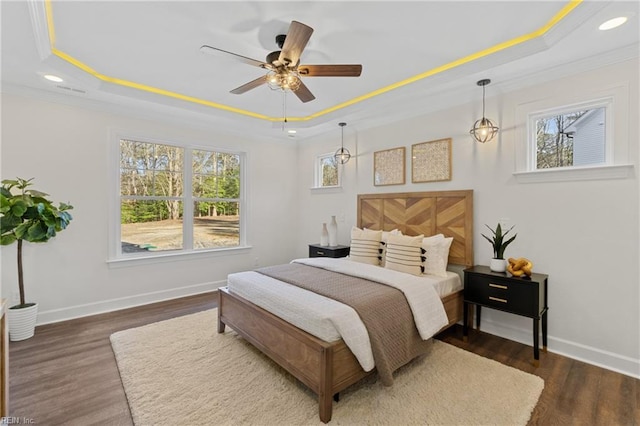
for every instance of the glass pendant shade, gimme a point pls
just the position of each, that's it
(342, 155)
(483, 130)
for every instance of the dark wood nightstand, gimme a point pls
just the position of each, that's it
(316, 250)
(504, 292)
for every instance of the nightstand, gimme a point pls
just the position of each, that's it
(316, 250)
(504, 292)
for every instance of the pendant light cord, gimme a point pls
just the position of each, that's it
(483, 86)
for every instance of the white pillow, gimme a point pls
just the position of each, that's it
(436, 255)
(365, 246)
(404, 254)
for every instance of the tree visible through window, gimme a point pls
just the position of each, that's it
(327, 171)
(570, 139)
(167, 203)
(216, 192)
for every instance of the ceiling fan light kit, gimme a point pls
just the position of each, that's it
(283, 80)
(342, 155)
(483, 130)
(284, 69)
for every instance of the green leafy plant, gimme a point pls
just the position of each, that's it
(498, 242)
(28, 216)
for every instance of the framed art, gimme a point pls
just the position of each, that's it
(431, 161)
(389, 167)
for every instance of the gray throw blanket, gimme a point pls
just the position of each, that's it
(384, 311)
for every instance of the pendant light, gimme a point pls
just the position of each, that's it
(484, 130)
(342, 155)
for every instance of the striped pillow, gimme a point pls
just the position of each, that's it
(404, 254)
(365, 246)
(383, 243)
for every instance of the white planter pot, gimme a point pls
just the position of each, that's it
(498, 265)
(22, 322)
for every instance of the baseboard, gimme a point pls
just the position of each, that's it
(78, 311)
(601, 358)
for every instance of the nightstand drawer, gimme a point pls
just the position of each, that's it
(519, 297)
(316, 250)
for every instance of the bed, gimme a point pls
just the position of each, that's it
(329, 367)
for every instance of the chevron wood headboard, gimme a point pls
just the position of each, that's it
(414, 213)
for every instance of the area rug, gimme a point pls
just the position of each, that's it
(181, 371)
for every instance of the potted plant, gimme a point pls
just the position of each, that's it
(498, 264)
(27, 215)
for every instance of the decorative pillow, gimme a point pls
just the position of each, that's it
(365, 246)
(436, 255)
(383, 244)
(404, 254)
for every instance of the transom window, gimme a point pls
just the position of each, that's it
(176, 198)
(327, 171)
(570, 137)
(579, 133)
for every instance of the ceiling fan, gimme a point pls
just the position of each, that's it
(284, 65)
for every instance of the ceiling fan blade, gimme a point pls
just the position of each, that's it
(250, 85)
(295, 42)
(303, 93)
(215, 51)
(330, 70)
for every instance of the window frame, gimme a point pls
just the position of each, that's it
(116, 256)
(319, 172)
(616, 165)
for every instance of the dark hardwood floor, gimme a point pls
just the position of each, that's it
(67, 375)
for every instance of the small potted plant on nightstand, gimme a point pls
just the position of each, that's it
(498, 264)
(27, 216)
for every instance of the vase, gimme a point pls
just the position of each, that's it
(333, 232)
(498, 265)
(22, 322)
(324, 236)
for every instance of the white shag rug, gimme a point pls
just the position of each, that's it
(181, 371)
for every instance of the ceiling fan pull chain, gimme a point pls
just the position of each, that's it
(284, 108)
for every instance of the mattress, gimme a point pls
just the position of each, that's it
(326, 318)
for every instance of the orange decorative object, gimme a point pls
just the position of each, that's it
(519, 267)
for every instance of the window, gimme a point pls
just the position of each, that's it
(177, 199)
(571, 137)
(575, 135)
(327, 171)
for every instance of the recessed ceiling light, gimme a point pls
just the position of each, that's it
(292, 131)
(613, 23)
(53, 78)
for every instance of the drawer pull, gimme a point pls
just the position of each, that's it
(321, 253)
(504, 287)
(497, 299)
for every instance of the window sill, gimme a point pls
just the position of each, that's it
(125, 262)
(618, 171)
(326, 189)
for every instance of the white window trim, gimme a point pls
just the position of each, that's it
(115, 256)
(318, 173)
(616, 164)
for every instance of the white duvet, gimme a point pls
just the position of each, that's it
(330, 320)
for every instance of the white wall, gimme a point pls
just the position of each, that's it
(65, 148)
(583, 234)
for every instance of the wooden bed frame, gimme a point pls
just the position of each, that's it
(329, 367)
